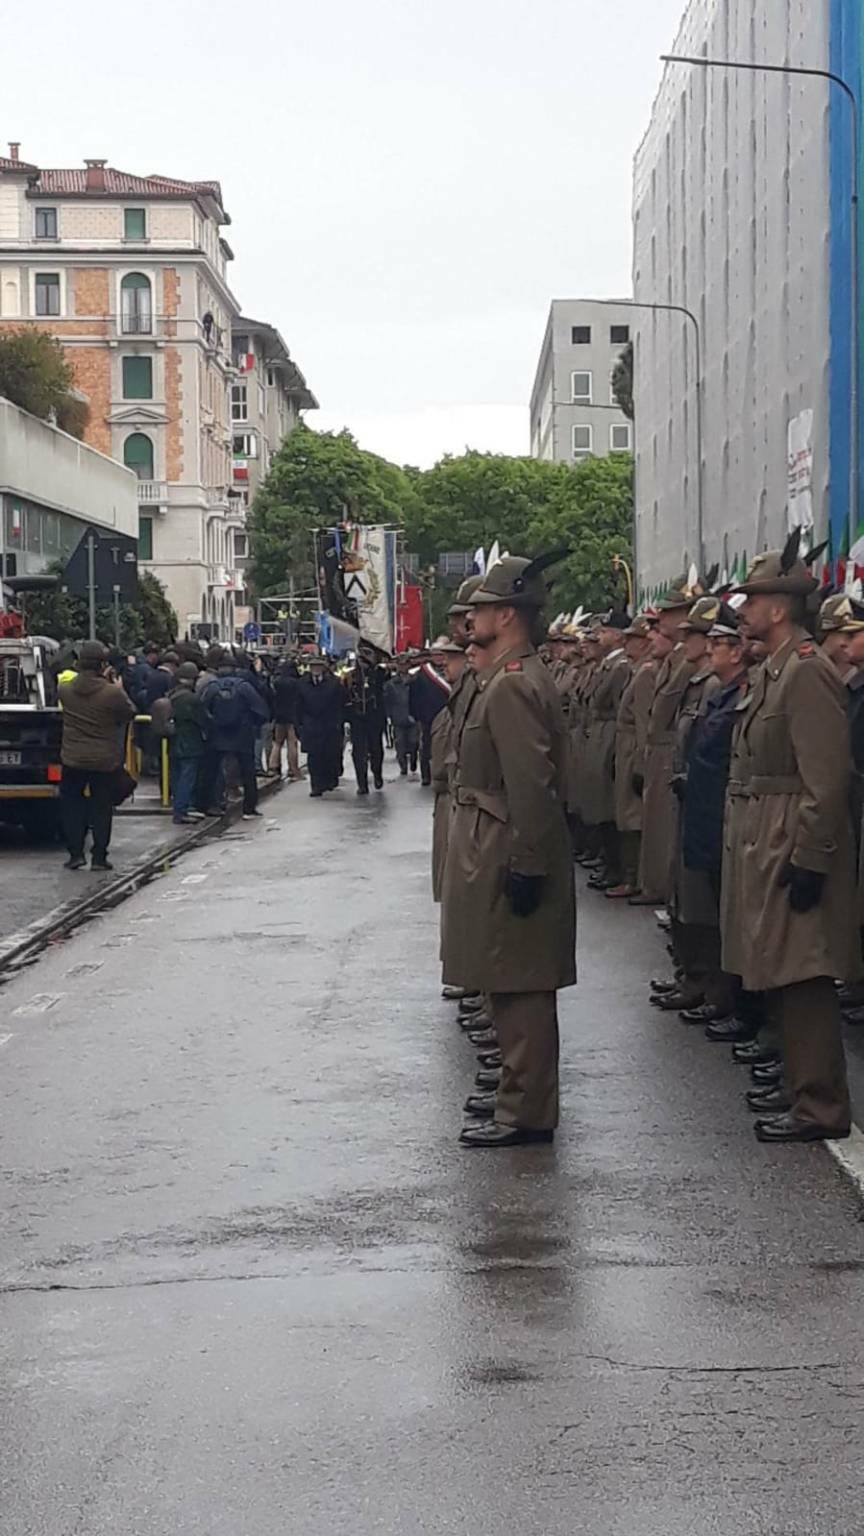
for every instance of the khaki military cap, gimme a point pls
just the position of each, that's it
(464, 595)
(678, 595)
(838, 612)
(447, 646)
(640, 626)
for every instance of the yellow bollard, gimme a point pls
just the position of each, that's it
(166, 773)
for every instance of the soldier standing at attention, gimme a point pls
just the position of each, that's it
(630, 737)
(789, 921)
(453, 660)
(613, 675)
(509, 905)
(660, 807)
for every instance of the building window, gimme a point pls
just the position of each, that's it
(138, 451)
(583, 440)
(241, 546)
(580, 335)
(47, 293)
(145, 538)
(134, 224)
(619, 438)
(239, 405)
(619, 335)
(46, 223)
(137, 378)
(245, 446)
(271, 377)
(580, 388)
(136, 305)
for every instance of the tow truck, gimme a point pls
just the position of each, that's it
(30, 725)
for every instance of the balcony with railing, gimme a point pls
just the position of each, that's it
(130, 326)
(152, 492)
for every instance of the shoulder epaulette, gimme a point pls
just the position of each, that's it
(512, 666)
(806, 648)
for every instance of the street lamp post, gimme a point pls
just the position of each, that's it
(680, 309)
(820, 74)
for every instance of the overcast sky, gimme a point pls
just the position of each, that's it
(410, 181)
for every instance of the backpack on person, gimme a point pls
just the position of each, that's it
(162, 717)
(225, 706)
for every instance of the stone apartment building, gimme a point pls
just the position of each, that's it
(268, 392)
(130, 273)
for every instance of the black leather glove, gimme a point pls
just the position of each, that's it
(523, 893)
(638, 782)
(805, 887)
(678, 783)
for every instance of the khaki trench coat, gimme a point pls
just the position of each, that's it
(508, 815)
(580, 695)
(631, 735)
(613, 675)
(440, 743)
(659, 805)
(790, 773)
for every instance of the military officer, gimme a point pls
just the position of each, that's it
(832, 632)
(509, 906)
(660, 807)
(453, 661)
(788, 916)
(631, 733)
(578, 721)
(598, 796)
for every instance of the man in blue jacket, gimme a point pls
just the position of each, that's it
(235, 710)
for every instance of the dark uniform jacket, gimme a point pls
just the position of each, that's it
(709, 750)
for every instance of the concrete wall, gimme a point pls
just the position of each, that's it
(732, 219)
(553, 413)
(46, 466)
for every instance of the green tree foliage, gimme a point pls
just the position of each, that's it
(528, 505)
(316, 480)
(61, 616)
(622, 381)
(35, 375)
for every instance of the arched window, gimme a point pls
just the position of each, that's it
(138, 455)
(136, 305)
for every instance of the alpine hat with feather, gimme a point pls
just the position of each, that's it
(516, 582)
(783, 572)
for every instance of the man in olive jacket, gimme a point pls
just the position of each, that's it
(96, 712)
(788, 911)
(509, 908)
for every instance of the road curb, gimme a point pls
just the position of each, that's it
(23, 947)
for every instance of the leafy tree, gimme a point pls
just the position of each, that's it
(35, 375)
(317, 479)
(622, 381)
(62, 616)
(528, 505)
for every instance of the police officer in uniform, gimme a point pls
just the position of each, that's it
(509, 905)
(788, 916)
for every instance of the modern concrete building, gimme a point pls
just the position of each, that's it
(130, 273)
(268, 393)
(742, 191)
(573, 412)
(52, 488)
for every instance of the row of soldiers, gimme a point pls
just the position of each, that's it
(699, 756)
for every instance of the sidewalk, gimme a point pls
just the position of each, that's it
(252, 1283)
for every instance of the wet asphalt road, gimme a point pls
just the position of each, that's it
(252, 1286)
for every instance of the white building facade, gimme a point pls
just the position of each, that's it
(574, 414)
(741, 216)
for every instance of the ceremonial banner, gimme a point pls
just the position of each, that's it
(800, 469)
(368, 578)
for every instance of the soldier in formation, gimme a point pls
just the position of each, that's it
(707, 757)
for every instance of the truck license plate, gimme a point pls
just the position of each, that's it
(10, 759)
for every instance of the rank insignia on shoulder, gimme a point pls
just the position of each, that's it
(512, 666)
(806, 648)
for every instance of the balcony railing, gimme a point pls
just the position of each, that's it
(142, 326)
(150, 491)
